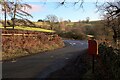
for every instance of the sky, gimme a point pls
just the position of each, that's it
(40, 9)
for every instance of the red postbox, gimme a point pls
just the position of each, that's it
(92, 47)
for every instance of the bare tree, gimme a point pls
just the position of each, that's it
(14, 9)
(6, 9)
(112, 16)
(18, 9)
(52, 19)
(87, 19)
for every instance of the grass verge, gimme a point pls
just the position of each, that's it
(30, 29)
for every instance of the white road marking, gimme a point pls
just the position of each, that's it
(13, 61)
(66, 58)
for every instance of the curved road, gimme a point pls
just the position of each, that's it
(41, 65)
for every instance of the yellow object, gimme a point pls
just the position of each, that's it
(31, 29)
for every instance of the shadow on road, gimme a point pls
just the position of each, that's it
(74, 69)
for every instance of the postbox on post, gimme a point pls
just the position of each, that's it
(92, 46)
(92, 49)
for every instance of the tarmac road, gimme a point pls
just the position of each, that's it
(41, 65)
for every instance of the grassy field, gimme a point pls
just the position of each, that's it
(30, 29)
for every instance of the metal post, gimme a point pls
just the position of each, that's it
(93, 63)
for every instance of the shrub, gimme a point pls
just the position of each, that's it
(111, 58)
(72, 35)
(16, 46)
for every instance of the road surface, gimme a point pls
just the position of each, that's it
(41, 65)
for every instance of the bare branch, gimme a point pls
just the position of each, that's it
(76, 2)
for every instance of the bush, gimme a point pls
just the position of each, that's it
(16, 46)
(72, 35)
(111, 58)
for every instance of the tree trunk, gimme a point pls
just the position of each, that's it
(14, 17)
(5, 15)
(115, 34)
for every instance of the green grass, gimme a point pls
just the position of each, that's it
(0, 25)
(30, 29)
(70, 24)
(42, 23)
